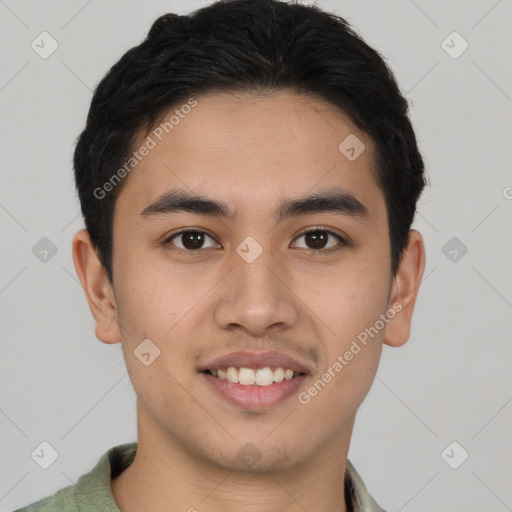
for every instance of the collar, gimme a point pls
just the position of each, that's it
(113, 462)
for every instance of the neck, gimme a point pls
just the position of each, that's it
(165, 476)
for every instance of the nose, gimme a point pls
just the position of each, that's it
(256, 296)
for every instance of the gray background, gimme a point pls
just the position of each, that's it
(450, 382)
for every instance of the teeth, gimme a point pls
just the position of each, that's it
(288, 374)
(264, 376)
(278, 375)
(248, 377)
(232, 374)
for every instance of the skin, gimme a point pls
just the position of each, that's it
(251, 152)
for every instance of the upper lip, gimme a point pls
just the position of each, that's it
(256, 360)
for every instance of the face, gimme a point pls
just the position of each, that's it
(253, 284)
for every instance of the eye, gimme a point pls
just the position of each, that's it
(191, 240)
(317, 240)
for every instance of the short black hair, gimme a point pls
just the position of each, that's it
(255, 46)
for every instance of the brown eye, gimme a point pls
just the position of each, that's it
(317, 239)
(191, 240)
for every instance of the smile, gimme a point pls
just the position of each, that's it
(249, 377)
(253, 389)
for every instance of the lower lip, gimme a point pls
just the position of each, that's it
(255, 397)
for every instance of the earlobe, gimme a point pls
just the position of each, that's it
(405, 290)
(97, 288)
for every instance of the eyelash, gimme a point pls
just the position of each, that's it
(342, 242)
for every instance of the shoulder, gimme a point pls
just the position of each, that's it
(92, 490)
(61, 501)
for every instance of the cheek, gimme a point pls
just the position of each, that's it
(350, 296)
(351, 306)
(154, 307)
(152, 296)
(356, 304)
(351, 352)
(159, 304)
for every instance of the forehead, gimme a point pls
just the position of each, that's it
(249, 150)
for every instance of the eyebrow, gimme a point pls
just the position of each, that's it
(331, 200)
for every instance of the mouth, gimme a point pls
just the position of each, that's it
(265, 376)
(255, 380)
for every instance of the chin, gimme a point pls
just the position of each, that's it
(252, 460)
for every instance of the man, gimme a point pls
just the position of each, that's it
(248, 177)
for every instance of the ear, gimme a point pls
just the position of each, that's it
(97, 288)
(404, 290)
